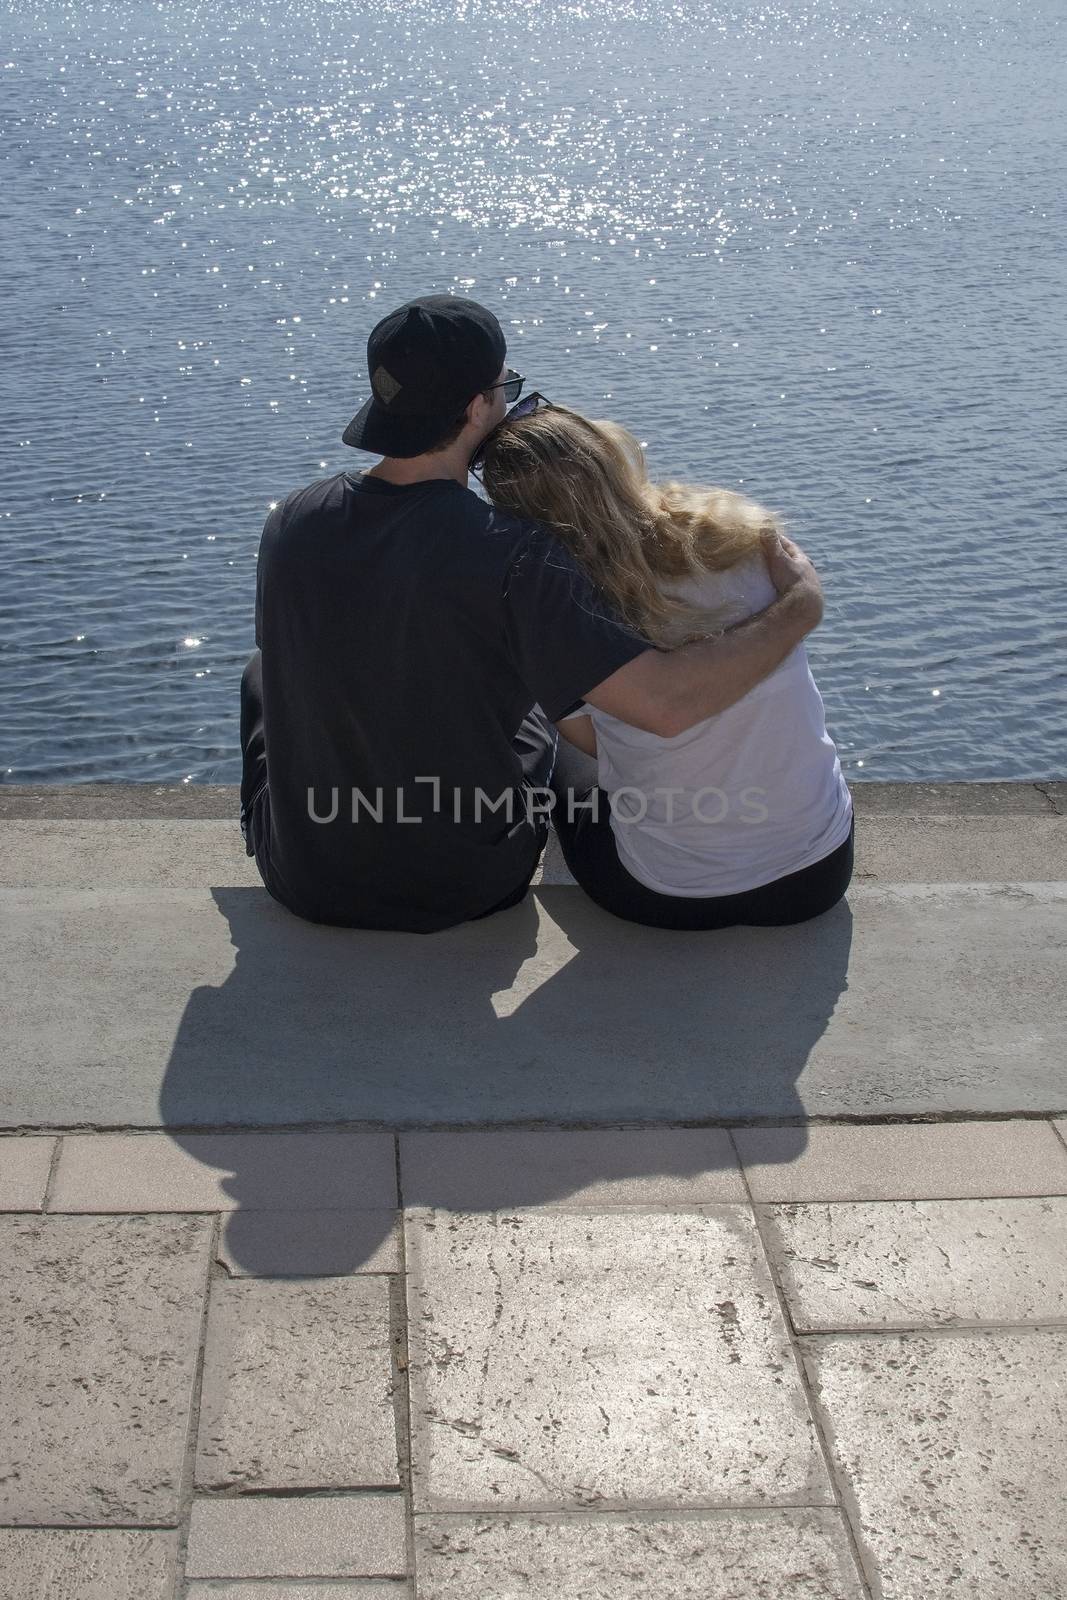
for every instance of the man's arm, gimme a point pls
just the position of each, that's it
(667, 691)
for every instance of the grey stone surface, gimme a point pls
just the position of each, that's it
(1021, 845)
(483, 1170)
(705, 1555)
(1008, 849)
(184, 1009)
(1009, 845)
(105, 801)
(164, 854)
(297, 1387)
(24, 1168)
(982, 798)
(100, 1327)
(314, 1244)
(225, 1171)
(915, 1263)
(952, 1448)
(87, 1564)
(560, 1359)
(359, 1589)
(309, 1536)
(903, 1161)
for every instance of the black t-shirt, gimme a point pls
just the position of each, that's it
(406, 631)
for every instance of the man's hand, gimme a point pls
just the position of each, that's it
(790, 567)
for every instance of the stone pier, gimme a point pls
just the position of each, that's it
(546, 1256)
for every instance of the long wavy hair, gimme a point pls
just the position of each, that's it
(587, 481)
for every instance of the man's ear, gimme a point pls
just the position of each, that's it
(486, 395)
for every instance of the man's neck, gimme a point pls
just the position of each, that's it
(421, 469)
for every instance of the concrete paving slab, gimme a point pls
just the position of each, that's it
(697, 1555)
(308, 1244)
(915, 1263)
(307, 1536)
(559, 1359)
(297, 1387)
(88, 1564)
(484, 1170)
(103, 1172)
(183, 1009)
(100, 1328)
(898, 1161)
(24, 1167)
(951, 1447)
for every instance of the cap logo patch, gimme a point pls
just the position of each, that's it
(385, 386)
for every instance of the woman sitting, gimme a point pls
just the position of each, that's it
(743, 818)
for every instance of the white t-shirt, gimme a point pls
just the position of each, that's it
(761, 793)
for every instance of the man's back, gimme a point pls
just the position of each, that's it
(405, 632)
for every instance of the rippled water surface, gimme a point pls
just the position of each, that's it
(810, 249)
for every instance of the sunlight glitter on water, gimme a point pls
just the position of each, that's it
(807, 250)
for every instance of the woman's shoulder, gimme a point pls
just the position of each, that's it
(744, 588)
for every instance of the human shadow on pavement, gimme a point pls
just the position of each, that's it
(551, 1014)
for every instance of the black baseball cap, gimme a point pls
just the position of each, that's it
(426, 360)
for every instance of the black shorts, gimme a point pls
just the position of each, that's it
(588, 844)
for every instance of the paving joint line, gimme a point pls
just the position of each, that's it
(539, 1124)
(187, 1486)
(644, 1510)
(906, 1199)
(292, 1491)
(87, 1527)
(863, 1559)
(976, 1329)
(401, 1364)
(654, 1208)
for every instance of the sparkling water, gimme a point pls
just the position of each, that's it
(812, 249)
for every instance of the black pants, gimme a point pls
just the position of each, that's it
(589, 850)
(535, 743)
(253, 744)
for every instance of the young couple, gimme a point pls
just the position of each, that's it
(438, 677)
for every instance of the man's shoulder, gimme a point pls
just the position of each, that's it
(315, 501)
(515, 539)
(319, 495)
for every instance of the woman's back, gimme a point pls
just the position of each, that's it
(759, 789)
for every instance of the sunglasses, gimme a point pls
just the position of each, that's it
(525, 408)
(512, 385)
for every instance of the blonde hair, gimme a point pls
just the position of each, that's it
(587, 482)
